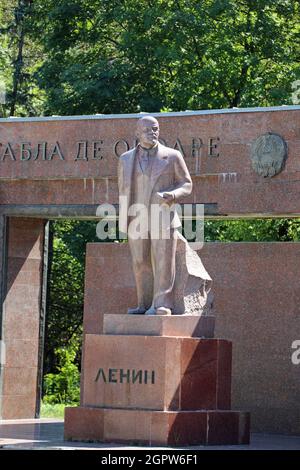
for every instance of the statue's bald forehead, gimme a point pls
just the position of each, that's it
(147, 120)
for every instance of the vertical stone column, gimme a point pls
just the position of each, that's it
(21, 329)
(3, 224)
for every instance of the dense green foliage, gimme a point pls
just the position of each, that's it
(259, 230)
(20, 58)
(66, 282)
(111, 56)
(63, 337)
(64, 385)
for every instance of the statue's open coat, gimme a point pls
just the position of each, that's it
(168, 173)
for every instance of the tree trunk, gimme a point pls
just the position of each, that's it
(21, 11)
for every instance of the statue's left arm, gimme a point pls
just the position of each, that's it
(183, 181)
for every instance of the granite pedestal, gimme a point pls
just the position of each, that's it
(144, 387)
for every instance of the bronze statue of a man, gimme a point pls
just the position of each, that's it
(152, 175)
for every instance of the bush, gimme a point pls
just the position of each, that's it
(64, 386)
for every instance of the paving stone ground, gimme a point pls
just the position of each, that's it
(48, 434)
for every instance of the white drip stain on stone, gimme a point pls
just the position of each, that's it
(107, 189)
(84, 184)
(227, 177)
(93, 190)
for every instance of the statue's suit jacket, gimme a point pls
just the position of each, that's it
(168, 173)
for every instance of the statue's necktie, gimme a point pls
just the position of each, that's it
(144, 160)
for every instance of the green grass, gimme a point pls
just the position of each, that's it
(52, 411)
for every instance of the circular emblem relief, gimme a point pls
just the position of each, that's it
(268, 154)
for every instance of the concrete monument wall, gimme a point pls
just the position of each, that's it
(256, 291)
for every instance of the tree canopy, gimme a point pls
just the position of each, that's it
(111, 56)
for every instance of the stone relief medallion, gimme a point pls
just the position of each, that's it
(268, 154)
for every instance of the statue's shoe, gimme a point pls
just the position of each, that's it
(136, 311)
(163, 311)
(151, 311)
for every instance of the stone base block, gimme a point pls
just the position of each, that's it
(156, 373)
(158, 325)
(157, 428)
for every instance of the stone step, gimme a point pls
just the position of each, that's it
(156, 428)
(160, 325)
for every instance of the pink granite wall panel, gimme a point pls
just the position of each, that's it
(228, 179)
(21, 317)
(256, 300)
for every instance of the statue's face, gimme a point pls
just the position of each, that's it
(148, 132)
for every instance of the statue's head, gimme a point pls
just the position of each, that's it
(147, 131)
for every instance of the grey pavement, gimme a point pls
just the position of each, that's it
(47, 434)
